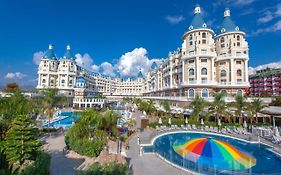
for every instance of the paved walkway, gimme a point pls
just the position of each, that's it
(149, 163)
(60, 165)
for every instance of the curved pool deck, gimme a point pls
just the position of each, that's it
(148, 137)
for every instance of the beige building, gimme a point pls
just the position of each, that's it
(63, 74)
(206, 62)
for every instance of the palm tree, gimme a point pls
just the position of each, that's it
(130, 123)
(166, 105)
(52, 100)
(198, 105)
(257, 107)
(219, 104)
(109, 122)
(240, 104)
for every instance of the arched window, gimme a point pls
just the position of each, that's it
(222, 39)
(223, 73)
(204, 93)
(238, 37)
(190, 37)
(43, 81)
(239, 72)
(191, 72)
(204, 35)
(191, 93)
(204, 71)
(62, 81)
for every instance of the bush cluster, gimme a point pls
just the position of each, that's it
(39, 166)
(106, 169)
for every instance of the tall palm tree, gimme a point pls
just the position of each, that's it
(52, 100)
(197, 105)
(240, 104)
(219, 106)
(166, 105)
(109, 122)
(257, 107)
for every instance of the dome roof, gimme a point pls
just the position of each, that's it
(68, 54)
(50, 54)
(154, 65)
(228, 25)
(80, 80)
(140, 74)
(197, 21)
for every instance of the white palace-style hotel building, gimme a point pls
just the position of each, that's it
(206, 62)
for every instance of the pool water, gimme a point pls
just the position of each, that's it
(66, 122)
(266, 161)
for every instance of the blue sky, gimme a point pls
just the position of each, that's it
(124, 35)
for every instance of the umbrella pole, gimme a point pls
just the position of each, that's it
(273, 120)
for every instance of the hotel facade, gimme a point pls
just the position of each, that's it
(206, 62)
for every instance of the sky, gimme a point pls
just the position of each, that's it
(125, 35)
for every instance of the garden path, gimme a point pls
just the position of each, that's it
(60, 164)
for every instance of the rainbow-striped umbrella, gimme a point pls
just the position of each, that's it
(214, 153)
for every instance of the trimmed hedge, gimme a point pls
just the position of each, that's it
(106, 169)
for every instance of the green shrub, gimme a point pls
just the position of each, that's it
(106, 169)
(40, 166)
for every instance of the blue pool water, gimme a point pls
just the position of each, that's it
(65, 122)
(267, 162)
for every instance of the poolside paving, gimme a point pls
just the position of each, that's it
(148, 164)
(60, 164)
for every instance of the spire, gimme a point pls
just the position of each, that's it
(154, 65)
(197, 9)
(228, 25)
(197, 21)
(49, 54)
(140, 74)
(227, 12)
(50, 47)
(68, 54)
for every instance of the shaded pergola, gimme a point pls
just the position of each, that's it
(273, 111)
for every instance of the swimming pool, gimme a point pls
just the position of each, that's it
(68, 120)
(259, 159)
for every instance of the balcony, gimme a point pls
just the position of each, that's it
(232, 56)
(269, 79)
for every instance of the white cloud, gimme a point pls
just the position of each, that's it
(277, 64)
(95, 68)
(174, 19)
(243, 2)
(37, 57)
(266, 18)
(16, 75)
(106, 68)
(273, 28)
(84, 61)
(131, 62)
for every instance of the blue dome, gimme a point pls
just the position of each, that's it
(197, 21)
(154, 66)
(50, 54)
(118, 75)
(80, 80)
(68, 54)
(140, 74)
(228, 25)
